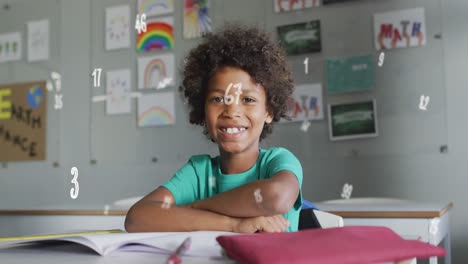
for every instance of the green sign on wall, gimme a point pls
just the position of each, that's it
(351, 74)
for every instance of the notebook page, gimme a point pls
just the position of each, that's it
(105, 243)
(6, 242)
(203, 244)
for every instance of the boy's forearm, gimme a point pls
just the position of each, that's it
(258, 198)
(151, 217)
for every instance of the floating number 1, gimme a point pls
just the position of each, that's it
(306, 64)
(97, 77)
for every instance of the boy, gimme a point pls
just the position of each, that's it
(237, 84)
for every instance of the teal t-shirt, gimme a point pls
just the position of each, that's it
(202, 178)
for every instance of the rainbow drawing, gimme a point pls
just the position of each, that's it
(155, 116)
(156, 109)
(156, 72)
(156, 68)
(155, 7)
(159, 35)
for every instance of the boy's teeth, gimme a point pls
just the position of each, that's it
(233, 130)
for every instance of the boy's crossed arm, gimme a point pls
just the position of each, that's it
(266, 197)
(236, 210)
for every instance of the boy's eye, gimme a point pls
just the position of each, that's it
(249, 100)
(217, 99)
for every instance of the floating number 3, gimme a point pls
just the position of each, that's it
(74, 191)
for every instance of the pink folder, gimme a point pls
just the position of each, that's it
(343, 245)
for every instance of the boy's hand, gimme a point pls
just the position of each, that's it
(269, 224)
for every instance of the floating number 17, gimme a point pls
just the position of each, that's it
(97, 77)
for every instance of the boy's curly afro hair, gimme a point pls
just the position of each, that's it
(249, 49)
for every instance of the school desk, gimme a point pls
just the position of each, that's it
(428, 222)
(59, 220)
(74, 254)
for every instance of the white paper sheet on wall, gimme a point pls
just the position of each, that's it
(117, 27)
(118, 88)
(38, 40)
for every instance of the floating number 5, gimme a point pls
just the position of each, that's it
(74, 191)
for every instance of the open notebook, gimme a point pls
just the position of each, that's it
(114, 242)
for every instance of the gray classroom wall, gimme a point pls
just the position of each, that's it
(403, 161)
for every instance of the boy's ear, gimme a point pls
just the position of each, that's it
(269, 118)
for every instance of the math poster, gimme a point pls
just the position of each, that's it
(307, 103)
(400, 29)
(23, 116)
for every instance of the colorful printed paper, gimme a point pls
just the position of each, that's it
(352, 120)
(307, 104)
(155, 7)
(196, 18)
(301, 38)
(156, 72)
(118, 27)
(159, 35)
(10, 47)
(351, 74)
(289, 5)
(23, 121)
(400, 29)
(156, 109)
(118, 88)
(38, 40)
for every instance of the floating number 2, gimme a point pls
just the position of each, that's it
(74, 191)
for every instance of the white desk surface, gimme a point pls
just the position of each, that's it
(384, 207)
(74, 254)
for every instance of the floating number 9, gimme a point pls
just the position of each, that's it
(74, 191)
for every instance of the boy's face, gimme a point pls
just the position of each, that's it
(235, 110)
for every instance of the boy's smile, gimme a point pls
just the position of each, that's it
(235, 111)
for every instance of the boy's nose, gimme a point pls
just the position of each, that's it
(232, 110)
